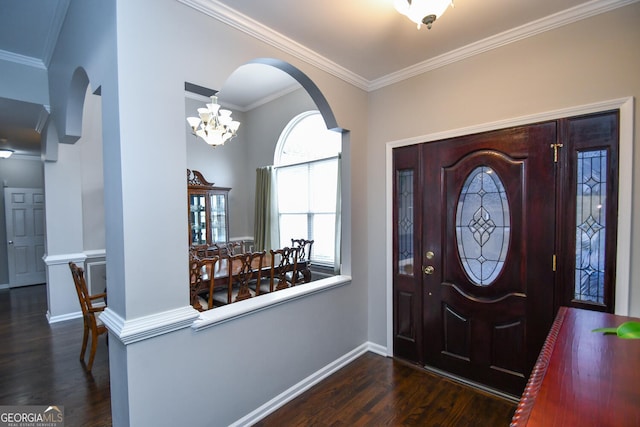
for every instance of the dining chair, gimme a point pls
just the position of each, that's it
(244, 270)
(304, 258)
(284, 268)
(282, 272)
(201, 281)
(89, 313)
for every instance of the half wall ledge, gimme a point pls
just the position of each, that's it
(236, 310)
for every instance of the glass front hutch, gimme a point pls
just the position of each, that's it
(208, 211)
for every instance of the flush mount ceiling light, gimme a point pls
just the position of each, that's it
(214, 125)
(422, 11)
(5, 153)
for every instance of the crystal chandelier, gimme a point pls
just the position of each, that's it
(214, 125)
(422, 11)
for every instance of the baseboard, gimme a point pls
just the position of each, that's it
(4, 286)
(313, 379)
(63, 317)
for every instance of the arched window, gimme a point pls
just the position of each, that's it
(306, 161)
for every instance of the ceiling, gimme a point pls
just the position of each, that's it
(365, 42)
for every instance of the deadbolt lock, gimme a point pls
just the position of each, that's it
(428, 269)
(429, 255)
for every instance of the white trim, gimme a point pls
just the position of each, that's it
(50, 260)
(625, 189)
(304, 385)
(556, 20)
(145, 327)
(241, 22)
(63, 317)
(96, 253)
(239, 309)
(16, 58)
(253, 28)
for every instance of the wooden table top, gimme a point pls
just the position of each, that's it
(583, 378)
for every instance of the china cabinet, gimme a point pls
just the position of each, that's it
(208, 209)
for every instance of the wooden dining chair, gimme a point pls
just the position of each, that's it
(284, 268)
(304, 258)
(245, 270)
(201, 281)
(89, 313)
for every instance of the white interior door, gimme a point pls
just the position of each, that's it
(24, 212)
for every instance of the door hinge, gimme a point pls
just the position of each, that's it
(555, 151)
(553, 262)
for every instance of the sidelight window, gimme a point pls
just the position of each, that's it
(590, 226)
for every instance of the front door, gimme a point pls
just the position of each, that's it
(488, 245)
(24, 211)
(484, 208)
(492, 233)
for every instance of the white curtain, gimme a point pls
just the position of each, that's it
(266, 234)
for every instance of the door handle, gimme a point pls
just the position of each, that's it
(428, 269)
(10, 242)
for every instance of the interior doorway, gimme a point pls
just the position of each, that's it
(479, 224)
(24, 217)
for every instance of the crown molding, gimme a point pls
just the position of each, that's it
(261, 32)
(565, 17)
(249, 26)
(54, 30)
(29, 61)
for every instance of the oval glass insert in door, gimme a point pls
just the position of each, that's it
(483, 226)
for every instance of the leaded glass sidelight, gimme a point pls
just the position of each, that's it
(405, 222)
(590, 226)
(483, 226)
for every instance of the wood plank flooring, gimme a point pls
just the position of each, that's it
(39, 365)
(380, 391)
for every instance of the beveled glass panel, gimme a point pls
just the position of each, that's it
(218, 218)
(405, 222)
(197, 216)
(590, 225)
(483, 226)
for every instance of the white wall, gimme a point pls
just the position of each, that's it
(590, 61)
(90, 145)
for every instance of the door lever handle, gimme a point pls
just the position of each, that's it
(428, 269)
(10, 242)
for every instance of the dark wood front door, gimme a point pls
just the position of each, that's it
(486, 218)
(485, 232)
(488, 243)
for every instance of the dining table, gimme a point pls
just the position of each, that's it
(221, 272)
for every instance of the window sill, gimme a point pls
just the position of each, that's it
(230, 312)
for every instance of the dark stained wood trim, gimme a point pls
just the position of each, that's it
(532, 388)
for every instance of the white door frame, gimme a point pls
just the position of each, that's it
(625, 194)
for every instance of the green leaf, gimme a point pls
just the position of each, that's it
(606, 330)
(627, 330)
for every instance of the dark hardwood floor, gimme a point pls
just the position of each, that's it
(380, 391)
(39, 363)
(39, 366)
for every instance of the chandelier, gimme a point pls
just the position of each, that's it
(422, 11)
(214, 125)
